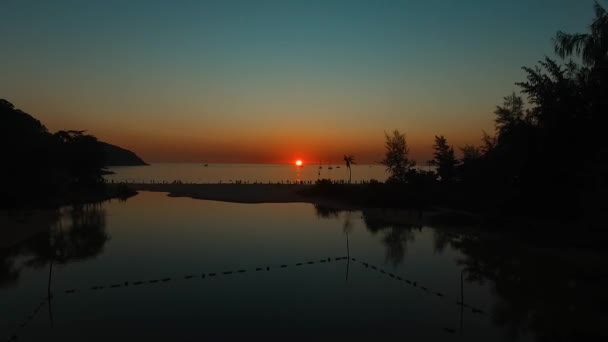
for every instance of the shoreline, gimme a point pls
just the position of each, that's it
(236, 193)
(455, 220)
(302, 193)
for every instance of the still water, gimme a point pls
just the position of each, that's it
(221, 271)
(226, 173)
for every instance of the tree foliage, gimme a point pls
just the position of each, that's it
(444, 159)
(39, 166)
(396, 158)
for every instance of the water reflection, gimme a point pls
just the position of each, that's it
(536, 291)
(532, 292)
(79, 233)
(395, 236)
(556, 298)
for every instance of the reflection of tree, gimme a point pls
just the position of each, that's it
(79, 234)
(551, 298)
(395, 240)
(8, 272)
(396, 236)
(326, 212)
(539, 294)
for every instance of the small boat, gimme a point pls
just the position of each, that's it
(330, 168)
(337, 167)
(206, 165)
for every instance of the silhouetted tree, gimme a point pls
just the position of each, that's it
(444, 159)
(591, 47)
(82, 156)
(39, 167)
(509, 116)
(396, 159)
(470, 153)
(349, 160)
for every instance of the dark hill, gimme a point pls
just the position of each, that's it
(118, 156)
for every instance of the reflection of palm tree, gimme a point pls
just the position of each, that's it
(347, 226)
(349, 160)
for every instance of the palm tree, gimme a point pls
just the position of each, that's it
(349, 160)
(591, 47)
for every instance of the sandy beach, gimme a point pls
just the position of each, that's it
(238, 193)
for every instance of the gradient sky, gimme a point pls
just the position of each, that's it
(272, 81)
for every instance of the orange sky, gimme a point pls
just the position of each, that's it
(271, 82)
(174, 140)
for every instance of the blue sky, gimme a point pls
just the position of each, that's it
(233, 73)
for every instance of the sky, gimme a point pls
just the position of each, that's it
(273, 81)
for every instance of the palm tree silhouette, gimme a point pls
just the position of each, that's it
(349, 160)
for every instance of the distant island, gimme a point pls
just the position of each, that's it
(118, 156)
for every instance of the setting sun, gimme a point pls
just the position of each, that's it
(298, 162)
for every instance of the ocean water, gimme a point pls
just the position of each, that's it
(226, 173)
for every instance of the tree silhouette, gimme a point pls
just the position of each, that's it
(444, 159)
(591, 47)
(41, 168)
(349, 160)
(396, 159)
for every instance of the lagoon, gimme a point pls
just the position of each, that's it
(160, 268)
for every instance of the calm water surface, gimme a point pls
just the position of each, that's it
(170, 243)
